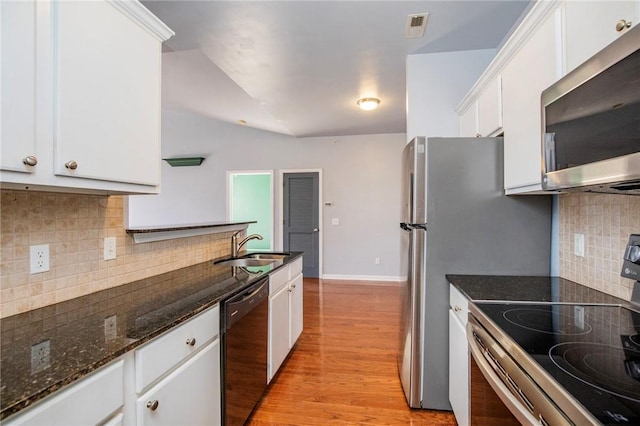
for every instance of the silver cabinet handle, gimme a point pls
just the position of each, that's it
(191, 341)
(623, 24)
(30, 160)
(457, 308)
(71, 165)
(153, 405)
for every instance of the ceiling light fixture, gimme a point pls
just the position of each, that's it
(367, 104)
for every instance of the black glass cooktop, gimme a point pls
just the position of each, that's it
(592, 351)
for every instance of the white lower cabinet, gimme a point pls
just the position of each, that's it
(459, 389)
(174, 379)
(88, 402)
(278, 330)
(295, 307)
(190, 395)
(285, 314)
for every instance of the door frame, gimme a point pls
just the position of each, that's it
(271, 173)
(280, 227)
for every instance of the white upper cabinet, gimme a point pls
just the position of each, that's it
(533, 68)
(96, 83)
(468, 120)
(17, 86)
(592, 25)
(483, 116)
(490, 109)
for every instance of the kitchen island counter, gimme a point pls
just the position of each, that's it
(88, 332)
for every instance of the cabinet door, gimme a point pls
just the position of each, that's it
(100, 394)
(458, 370)
(490, 109)
(591, 25)
(188, 396)
(469, 122)
(18, 83)
(296, 303)
(107, 95)
(533, 68)
(278, 330)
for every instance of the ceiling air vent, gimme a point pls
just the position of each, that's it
(416, 23)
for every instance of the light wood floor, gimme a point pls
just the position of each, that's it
(343, 369)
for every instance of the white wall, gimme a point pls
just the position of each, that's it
(436, 83)
(361, 178)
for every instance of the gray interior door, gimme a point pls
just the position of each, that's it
(301, 227)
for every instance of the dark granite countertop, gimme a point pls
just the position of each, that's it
(75, 329)
(529, 289)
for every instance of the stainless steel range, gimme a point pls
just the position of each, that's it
(583, 360)
(562, 363)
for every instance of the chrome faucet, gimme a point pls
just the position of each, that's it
(236, 246)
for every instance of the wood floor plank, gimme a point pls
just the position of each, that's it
(343, 369)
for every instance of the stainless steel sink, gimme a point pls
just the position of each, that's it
(271, 256)
(246, 262)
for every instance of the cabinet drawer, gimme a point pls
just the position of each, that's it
(160, 355)
(102, 391)
(295, 268)
(190, 395)
(278, 279)
(459, 304)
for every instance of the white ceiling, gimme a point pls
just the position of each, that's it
(298, 67)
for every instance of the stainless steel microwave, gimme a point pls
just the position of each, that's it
(591, 123)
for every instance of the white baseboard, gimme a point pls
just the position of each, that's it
(376, 278)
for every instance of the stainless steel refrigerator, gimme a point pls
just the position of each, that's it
(457, 220)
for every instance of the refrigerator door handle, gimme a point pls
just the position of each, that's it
(410, 226)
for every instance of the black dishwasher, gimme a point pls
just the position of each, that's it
(245, 325)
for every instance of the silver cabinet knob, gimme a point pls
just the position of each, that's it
(457, 308)
(623, 24)
(478, 135)
(191, 341)
(315, 230)
(153, 405)
(71, 165)
(30, 160)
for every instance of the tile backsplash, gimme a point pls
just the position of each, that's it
(75, 226)
(606, 221)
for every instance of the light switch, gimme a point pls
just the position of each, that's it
(335, 221)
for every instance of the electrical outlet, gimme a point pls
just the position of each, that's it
(377, 260)
(109, 248)
(39, 258)
(578, 244)
(110, 328)
(40, 356)
(578, 317)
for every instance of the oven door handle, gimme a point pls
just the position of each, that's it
(514, 405)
